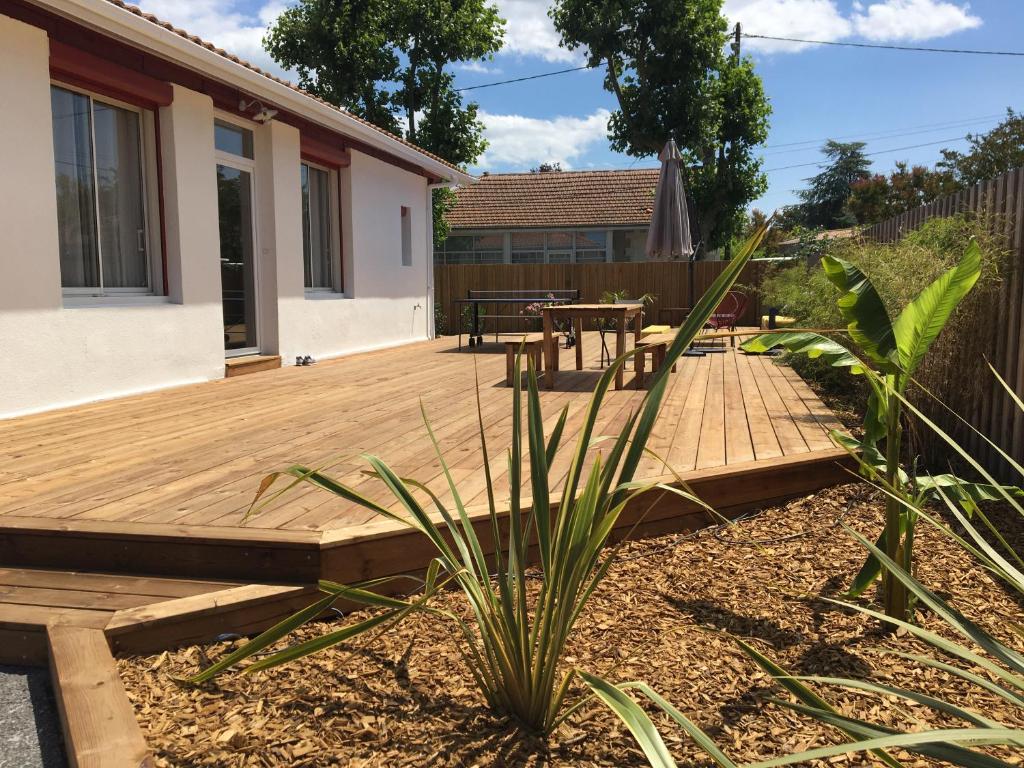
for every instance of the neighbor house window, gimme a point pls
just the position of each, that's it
(591, 245)
(317, 232)
(527, 247)
(406, 236)
(101, 198)
(559, 247)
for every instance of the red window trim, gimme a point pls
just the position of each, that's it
(76, 67)
(322, 153)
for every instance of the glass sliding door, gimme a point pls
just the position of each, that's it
(237, 259)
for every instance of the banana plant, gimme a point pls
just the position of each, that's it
(892, 351)
(978, 659)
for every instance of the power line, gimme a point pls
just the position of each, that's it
(524, 79)
(887, 134)
(870, 154)
(970, 51)
(887, 47)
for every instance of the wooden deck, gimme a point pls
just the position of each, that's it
(192, 457)
(147, 495)
(123, 528)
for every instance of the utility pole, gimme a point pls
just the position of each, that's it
(737, 35)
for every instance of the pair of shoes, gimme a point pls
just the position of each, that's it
(307, 360)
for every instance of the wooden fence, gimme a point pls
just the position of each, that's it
(669, 281)
(994, 414)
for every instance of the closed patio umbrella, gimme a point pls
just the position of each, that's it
(669, 235)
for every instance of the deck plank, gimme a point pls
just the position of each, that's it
(192, 457)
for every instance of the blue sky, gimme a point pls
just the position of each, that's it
(891, 99)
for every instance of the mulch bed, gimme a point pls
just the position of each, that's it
(665, 615)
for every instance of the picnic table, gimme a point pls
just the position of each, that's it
(513, 298)
(621, 313)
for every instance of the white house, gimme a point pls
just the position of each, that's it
(166, 207)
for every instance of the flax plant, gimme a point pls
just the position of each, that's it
(514, 644)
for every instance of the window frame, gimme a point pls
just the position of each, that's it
(148, 174)
(334, 224)
(570, 250)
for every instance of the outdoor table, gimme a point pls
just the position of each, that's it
(621, 313)
(475, 336)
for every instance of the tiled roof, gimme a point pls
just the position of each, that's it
(242, 62)
(556, 199)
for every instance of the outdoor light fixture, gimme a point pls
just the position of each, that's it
(264, 114)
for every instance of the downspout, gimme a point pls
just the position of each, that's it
(431, 330)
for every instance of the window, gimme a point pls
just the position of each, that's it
(406, 237)
(232, 139)
(559, 247)
(101, 199)
(527, 247)
(472, 249)
(591, 246)
(317, 232)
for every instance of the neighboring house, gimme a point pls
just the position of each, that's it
(551, 217)
(167, 206)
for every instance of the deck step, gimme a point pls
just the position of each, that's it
(239, 366)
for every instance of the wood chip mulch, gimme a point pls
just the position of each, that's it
(665, 615)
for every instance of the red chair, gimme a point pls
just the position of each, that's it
(728, 313)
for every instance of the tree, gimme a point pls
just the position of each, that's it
(991, 154)
(878, 197)
(824, 201)
(547, 168)
(385, 62)
(665, 62)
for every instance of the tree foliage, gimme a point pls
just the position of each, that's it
(385, 62)
(878, 197)
(824, 201)
(666, 65)
(991, 154)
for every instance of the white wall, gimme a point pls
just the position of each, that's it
(384, 303)
(51, 355)
(55, 352)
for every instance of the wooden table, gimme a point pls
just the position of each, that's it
(620, 313)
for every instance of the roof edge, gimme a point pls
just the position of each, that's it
(139, 31)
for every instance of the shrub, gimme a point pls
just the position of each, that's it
(955, 368)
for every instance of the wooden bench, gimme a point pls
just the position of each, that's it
(532, 345)
(656, 346)
(654, 330)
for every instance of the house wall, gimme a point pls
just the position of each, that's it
(55, 351)
(384, 303)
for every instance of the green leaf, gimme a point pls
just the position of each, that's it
(634, 718)
(806, 695)
(923, 319)
(868, 572)
(867, 319)
(266, 639)
(809, 343)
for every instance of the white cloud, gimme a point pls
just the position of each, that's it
(806, 19)
(477, 67)
(882, 20)
(221, 23)
(913, 20)
(518, 142)
(530, 32)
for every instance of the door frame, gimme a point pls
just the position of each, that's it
(246, 165)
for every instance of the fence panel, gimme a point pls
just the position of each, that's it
(995, 415)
